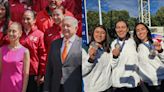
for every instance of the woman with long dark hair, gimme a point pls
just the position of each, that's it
(97, 63)
(14, 61)
(4, 21)
(151, 58)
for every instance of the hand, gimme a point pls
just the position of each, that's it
(40, 79)
(92, 52)
(157, 46)
(140, 83)
(116, 52)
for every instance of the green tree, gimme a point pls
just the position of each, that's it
(132, 21)
(109, 19)
(160, 16)
(93, 20)
(154, 21)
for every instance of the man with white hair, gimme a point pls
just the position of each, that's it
(63, 72)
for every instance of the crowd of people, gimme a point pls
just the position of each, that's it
(27, 30)
(129, 64)
(41, 51)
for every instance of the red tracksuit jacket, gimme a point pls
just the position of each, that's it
(34, 41)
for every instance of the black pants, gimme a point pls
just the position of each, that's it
(162, 86)
(61, 88)
(32, 85)
(158, 88)
(125, 89)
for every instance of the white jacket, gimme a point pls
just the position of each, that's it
(151, 70)
(125, 74)
(97, 75)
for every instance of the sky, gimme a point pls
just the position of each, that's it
(130, 5)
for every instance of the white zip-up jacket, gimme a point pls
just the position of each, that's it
(125, 74)
(97, 75)
(151, 70)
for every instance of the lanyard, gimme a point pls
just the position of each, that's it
(121, 46)
(99, 52)
(149, 46)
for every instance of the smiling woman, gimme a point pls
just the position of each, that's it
(125, 77)
(32, 38)
(151, 56)
(17, 58)
(99, 35)
(97, 62)
(14, 32)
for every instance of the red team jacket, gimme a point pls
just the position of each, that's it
(38, 5)
(35, 43)
(3, 37)
(17, 10)
(43, 20)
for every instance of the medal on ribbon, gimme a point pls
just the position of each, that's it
(152, 54)
(94, 45)
(117, 45)
(152, 50)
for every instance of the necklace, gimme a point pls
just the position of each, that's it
(15, 47)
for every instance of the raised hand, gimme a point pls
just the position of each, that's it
(92, 52)
(116, 52)
(157, 46)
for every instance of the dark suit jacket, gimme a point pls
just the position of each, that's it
(71, 67)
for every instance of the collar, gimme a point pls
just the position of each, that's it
(32, 29)
(72, 39)
(147, 42)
